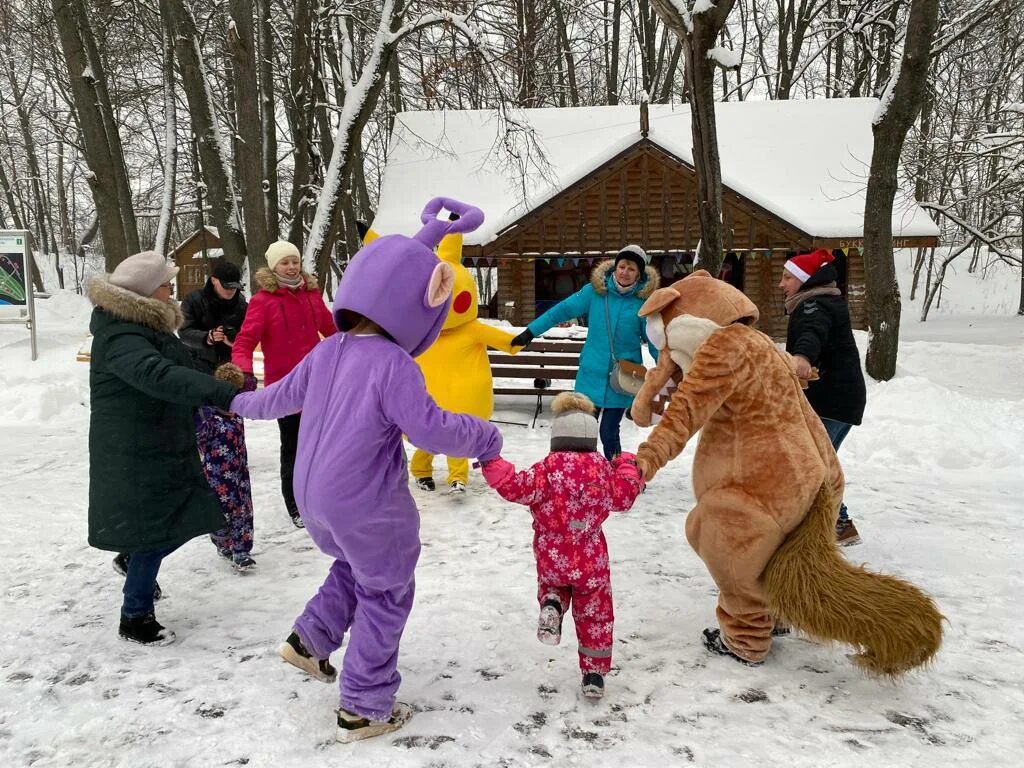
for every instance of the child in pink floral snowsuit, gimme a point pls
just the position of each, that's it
(570, 493)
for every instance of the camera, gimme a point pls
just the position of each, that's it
(230, 331)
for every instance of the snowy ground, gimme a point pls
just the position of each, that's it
(935, 485)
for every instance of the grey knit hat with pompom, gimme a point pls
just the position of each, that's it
(575, 426)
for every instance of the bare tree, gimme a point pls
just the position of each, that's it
(897, 111)
(108, 178)
(203, 112)
(698, 26)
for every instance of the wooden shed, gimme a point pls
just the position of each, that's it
(793, 174)
(191, 255)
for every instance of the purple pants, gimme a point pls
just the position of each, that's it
(369, 595)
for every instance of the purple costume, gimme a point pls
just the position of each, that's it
(358, 396)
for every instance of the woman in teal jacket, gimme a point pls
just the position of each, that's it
(617, 290)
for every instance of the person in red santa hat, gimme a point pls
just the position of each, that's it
(820, 337)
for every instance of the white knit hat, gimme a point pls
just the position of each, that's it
(574, 427)
(143, 273)
(280, 249)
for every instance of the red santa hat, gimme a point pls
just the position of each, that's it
(806, 264)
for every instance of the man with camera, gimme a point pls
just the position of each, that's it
(213, 315)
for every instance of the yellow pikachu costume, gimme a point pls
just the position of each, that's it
(455, 367)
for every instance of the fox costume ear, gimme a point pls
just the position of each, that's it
(658, 300)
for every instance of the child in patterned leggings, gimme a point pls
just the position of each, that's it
(221, 440)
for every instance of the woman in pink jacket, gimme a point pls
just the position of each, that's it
(571, 493)
(287, 317)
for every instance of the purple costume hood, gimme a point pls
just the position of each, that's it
(399, 283)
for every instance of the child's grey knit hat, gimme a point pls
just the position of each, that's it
(574, 427)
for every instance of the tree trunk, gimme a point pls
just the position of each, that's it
(107, 177)
(220, 193)
(897, 111)
(299, 108)
(248, 141)
(570, 61)
(613, 44)
(268, 123)
(163, 228)
(1020, 309)
(698, 37)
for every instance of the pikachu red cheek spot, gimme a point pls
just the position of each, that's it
(462, 302)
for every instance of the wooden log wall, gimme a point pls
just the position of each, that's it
(648, 197)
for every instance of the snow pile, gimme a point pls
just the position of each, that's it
(727, 57)
(992, 289)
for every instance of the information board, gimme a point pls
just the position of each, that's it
(16, 304)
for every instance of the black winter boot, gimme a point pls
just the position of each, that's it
(145, 630)
(294, 652)
(713, 642)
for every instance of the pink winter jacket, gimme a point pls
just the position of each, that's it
(286, 323)
(570, 495)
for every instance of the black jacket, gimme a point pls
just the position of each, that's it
(204, 310)
(819, 329)
(146, 484)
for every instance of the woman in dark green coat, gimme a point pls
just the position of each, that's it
(147, 492)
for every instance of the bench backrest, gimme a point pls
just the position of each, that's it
(555, 359)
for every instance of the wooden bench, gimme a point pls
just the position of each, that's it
(542, 363)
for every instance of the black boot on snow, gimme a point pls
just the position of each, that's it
(593, 685)
(713, 642)
(145, 630)
(425, 484)
(294, 652)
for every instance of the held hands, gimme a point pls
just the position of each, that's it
(804, 370)
(232, 374)
(497, 471)
(215, 335)
(522, 339)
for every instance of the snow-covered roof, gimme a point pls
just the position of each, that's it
(805, 161)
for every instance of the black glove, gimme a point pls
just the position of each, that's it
(522, 339)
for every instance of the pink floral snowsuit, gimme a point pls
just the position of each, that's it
(570, 495)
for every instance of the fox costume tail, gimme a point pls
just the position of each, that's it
(892, 623)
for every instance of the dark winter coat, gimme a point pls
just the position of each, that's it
(204, 310)
(146, 485)
(286, 323)
(820, 330)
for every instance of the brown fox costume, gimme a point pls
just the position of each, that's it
(767, 484)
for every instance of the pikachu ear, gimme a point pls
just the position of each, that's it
(658, 300)
(450, 249)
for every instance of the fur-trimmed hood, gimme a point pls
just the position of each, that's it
(163, 317)
(266, 279)
(649, 280)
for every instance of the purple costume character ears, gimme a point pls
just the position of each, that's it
(400, 284)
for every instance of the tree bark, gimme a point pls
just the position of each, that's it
(268, 123)
(299, 109)
(163, 229)
(698, 37)
(897, 111)
(248, 140)
(220, 193)
(107, 177)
